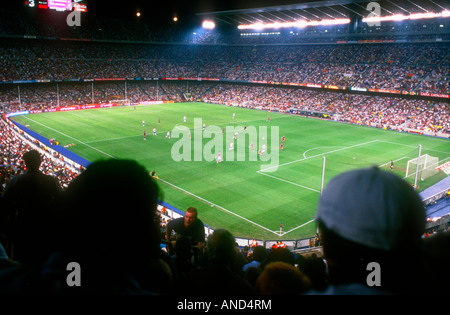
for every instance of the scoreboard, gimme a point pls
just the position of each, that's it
(58, 5)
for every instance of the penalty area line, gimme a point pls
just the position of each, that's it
(288, 182)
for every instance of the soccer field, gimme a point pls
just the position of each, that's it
(248, 196)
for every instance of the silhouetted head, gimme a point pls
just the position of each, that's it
(221, 247)
(32, 160)
(112, 213)
(280, 278)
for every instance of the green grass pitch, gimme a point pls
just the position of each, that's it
(237, 195)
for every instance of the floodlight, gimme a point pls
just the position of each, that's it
(209, 25)
(298, 23)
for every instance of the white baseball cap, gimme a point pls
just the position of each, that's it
(374, 208)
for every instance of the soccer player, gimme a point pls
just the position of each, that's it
(282, 146)
(392, 165)
(283, 139)
(154, 131)
(231, 146)
(143, 123)
(219, 157)
(145, 135)
(184, 118)
(168, 134)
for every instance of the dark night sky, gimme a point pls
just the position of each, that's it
(162, 11)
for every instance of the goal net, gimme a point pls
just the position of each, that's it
(427, 166)
(124, 102)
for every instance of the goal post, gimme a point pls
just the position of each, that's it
(426, 165)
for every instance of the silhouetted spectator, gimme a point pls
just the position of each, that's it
(281, 278)
(183, 257)
(111, 228)
(30, 200)
(315, 269)
(437, 260)
(108, 226)
(218, 277)
(368, 216)
(258, 255)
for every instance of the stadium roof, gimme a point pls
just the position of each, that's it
(326, 10)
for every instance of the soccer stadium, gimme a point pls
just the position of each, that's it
(245, 114)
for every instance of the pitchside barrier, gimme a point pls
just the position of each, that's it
(435, 192)
(168, 212)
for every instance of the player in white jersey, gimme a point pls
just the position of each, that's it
(219, 157)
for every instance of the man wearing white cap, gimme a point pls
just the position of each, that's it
(371, 223)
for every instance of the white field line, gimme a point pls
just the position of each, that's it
(83, 143)
(297, 227)
(413, 146)
(302, 186)
(304, 153)
(317, 155)
(306, 158)
(112, 139)
(286, 181)
(388, 163)
(217, 206)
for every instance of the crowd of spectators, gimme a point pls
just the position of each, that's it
(14, 143)
(396, 113)
(411, 67)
